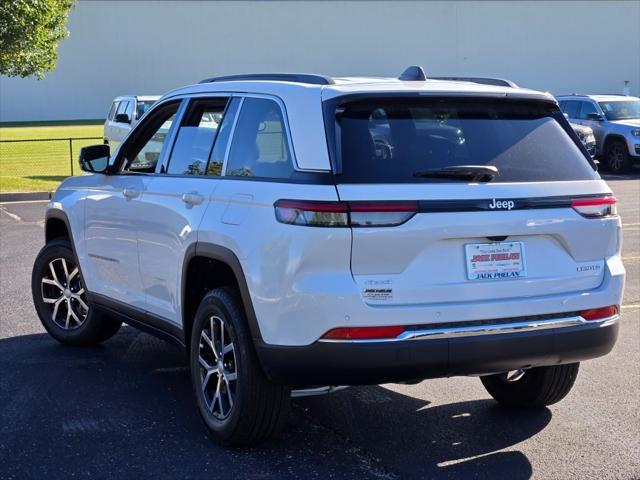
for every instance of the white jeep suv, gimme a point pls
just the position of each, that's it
(287, 249)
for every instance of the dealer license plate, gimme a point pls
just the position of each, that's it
(494, 261)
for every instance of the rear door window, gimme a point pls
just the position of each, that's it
(587, 108)
(571, 108)
(391, 140)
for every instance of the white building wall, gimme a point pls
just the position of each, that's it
(149, 47)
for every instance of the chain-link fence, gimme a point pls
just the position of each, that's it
(45, 161)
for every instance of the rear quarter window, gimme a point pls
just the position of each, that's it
(388, 140)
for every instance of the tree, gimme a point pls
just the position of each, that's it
(30, 31)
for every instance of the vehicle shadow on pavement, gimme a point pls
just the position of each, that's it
(126, 408)
(416, 440)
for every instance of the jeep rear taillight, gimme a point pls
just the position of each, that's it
(344, 214)
(312, 214)
(595, 207)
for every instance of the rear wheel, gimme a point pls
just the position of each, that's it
(617, 157)
(536, 387)
(60, 298)
(237, 403)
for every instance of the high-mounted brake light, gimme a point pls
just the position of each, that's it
(344, 214)
(595, 207)
(363, 333)
(599, 313)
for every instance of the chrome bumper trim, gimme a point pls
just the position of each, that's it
(486, 329)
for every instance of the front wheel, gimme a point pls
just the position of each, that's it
(533, 388)
(60, 299)
(617, 157)
(237, 403)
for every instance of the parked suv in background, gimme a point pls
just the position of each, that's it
(273, 239)
(615, 120)
(586, 136)
(124, 114)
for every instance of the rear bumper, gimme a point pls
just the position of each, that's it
(490, 348)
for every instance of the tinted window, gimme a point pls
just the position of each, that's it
(195, 137)
(143, 150)
(586, 108)
(216, 160)
(260, 147)
(386, 140)
(571, 108)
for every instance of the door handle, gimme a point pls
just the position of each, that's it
(131, 192)
(192, 198)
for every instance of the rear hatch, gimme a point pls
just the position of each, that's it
(432, 224)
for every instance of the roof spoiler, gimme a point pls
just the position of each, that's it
(309, 78)
(498, 82)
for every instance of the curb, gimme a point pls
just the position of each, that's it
(23, 196)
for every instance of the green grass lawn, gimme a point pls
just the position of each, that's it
(37, 166)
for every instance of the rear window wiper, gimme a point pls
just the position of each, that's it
(471, 173)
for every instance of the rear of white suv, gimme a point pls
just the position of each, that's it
(482, 241)
(295, 232)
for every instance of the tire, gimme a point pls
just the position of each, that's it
(110, 326)
(59, 296)
(617, 157)
(258, 409)
(536, 388)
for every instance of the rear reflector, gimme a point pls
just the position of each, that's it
(363, 333)
(595, 207)
(344, 214)
(599, 313)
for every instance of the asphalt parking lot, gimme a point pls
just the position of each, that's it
(125, 409)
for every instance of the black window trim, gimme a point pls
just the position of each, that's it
(301, 176)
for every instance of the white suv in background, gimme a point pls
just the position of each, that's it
(124, 114)
(615, 121)
(294, 232)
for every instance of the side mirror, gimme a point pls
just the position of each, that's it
(596, 117)
(122, 118)
(94, 158)
(566, 115)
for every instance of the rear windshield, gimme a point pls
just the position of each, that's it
(388, 140)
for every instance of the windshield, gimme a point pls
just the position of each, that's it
(389, 140)
(621, 110)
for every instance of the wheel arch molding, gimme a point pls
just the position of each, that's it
(216, 253)
(52, 221)
(612, 137)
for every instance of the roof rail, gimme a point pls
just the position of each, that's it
(499, 82)
(309, 78)
(412, 74)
